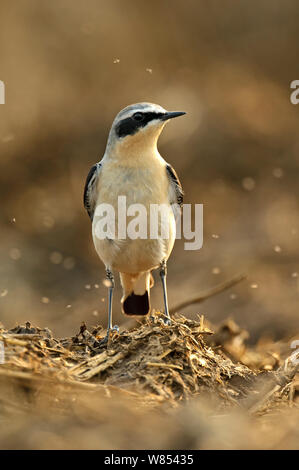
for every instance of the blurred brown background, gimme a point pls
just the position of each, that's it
(69, 67)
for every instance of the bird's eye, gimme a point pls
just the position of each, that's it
(138, 116)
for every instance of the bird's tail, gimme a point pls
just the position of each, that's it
(136, 297)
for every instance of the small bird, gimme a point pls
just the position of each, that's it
(132, 167)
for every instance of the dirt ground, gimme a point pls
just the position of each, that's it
(225, 380)
(185, 386)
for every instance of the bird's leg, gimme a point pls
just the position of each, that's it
(163, 274)
(110, 282)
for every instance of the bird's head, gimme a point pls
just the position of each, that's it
(138, 126)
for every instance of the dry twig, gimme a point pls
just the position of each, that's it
(210, 293)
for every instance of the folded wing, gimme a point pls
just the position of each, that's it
(176, 190)
(90, 189)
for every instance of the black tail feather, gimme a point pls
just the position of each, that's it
(136, 304)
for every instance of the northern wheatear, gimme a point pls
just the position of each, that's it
(132, 167)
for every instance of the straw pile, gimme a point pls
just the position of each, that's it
(143, 372)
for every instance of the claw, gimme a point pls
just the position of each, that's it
(105, 340)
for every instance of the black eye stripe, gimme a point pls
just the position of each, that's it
(129, 126)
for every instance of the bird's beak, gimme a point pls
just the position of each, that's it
(171, 115)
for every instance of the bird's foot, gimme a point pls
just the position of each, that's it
(151, 318)
(115, 328)
(161, 317)
(110, 333)
(104, 341)
(166, 319)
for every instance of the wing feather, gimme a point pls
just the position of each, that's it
(89, 197)
(177, 195)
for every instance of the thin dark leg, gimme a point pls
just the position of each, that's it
(163, 274)
(110, 278)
